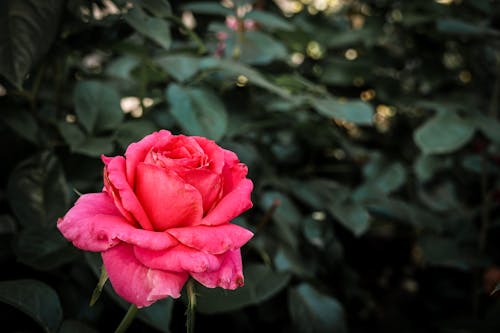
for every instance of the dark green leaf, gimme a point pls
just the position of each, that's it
(427, 165)
(210, 8)
(159, 8)
(312, 311)
(71, 133)
(489, 126)
(97, 106)
(270, 20)
(356, 112)
(43, 248)
(133, 131)
(443, 133)
(74, 326)
(37, 191)
(94, 146)
(198, 111)
(454, 26)
(261, 283)
(28, 30)
(23, 124)
(181, 67)
(351, 215)
(36, 299)
(256, 48)
(157, 29)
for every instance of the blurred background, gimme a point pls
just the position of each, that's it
(370, 129)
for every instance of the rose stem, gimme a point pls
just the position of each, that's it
(127, 320)
(191, 306)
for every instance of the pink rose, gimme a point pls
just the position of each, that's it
(164, 215)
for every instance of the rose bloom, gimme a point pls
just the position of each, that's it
(164, 215)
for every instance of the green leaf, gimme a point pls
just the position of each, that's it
(133, 131)
(261, 283)
(458, 27)
(270, 20)
(97, 106)
(257, 48)
(156, 29)
(489, 126)
(357, 112)
(43, 248)
(75, 326)
(351, 215)
(312, 311)
(71, 133)
(180, 67)
(37, 191)
(444, 133)
(427, 165)
(94, 146)
(121, 68)
(28, 30)
(209, 8)
(253, 76)
(36, 299)
(23, 124)
(159, 8)
(198, 111)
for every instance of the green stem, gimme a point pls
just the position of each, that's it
(127, 320)
(190, 311)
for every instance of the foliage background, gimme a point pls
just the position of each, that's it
(370, 129)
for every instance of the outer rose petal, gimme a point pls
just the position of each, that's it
(228, 276)
(137, 283)
(232, 205)
(137, 151)
(94, 224)
(125, 196)
(212, 239)
(167, 199)
(178, 259)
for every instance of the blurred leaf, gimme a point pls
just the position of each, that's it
(181, 66)
(210, 8)
(71, 133)
(121, 67)
(94, 146)
(157, 29)
(159, 8)
(43, 248)
(97, 106)
(74, 326)
(256, 48)
(198, 111)
(312, 311)
(288, 260)
(236, 69)
(427, 165)
(36, 299)
(261, 283)
(443, 133)
(343, 39)
(356, 112)
(454, 26)
(133, 131)
(37, 191)
(489, 126)
(446, 252)
(351, 215)
(28, 30)
(23, 124)
(270, 20)
(343, 72)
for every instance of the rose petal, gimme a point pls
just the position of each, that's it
(232, 205)
(177, 259)
(232, 176)
(228, 276)
(212, 239)
(137, 283)
(137, 151)
(214, 152)
(208, 183)
(94, 224)
(118, 186)
(167, 199)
